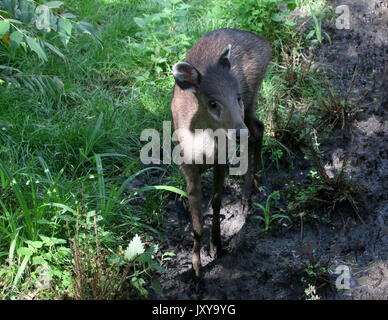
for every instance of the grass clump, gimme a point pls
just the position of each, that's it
(324, 193)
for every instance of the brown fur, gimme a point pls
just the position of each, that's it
(211, 74)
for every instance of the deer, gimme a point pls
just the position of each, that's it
(216, 88)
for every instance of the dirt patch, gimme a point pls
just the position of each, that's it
(271, 265)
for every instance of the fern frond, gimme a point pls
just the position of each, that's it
(50, 87)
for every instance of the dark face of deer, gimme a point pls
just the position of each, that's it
(217, 92)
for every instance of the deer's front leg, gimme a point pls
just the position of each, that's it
(218, 187)
(194, 193)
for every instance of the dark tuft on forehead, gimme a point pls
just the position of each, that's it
(218, 81)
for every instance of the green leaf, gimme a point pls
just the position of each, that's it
(64, 251)
(155, 266)
(8, 70)
(10, 5)
(155, 283)
(277, 17)
(258, 218)
(49, 87)
(53, 22)
(21, 270)
(64, 30)
(15, 21)
(168, 256)
(49, 242)
(291, 5)
(68, 15)
(45, 221)
(35, 244)
(139, 21)
(27, 12)
(289, 23)
(310, 34)
(139, 283)
(4, 27)
(35, 46)
(53, 4)
(184, 6)
(86, 27)
(23, 251)
(12, 250)
(134, 248)
(260, 206)
(64, 26)
(167, 188)
(39, 261)
(55, 50)
(278, 216)
(16, 38)
(62, 206)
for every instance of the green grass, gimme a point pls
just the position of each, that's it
(63, 162)
(268, 217)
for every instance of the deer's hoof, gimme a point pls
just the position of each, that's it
(246, 206)
(197, 273)
(197, 287)
(215, 249)
(256, 182)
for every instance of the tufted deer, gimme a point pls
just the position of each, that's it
(216, 88)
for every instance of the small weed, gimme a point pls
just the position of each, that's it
(268, 217)
(334, 110)
(311, 293)
(39, 262)
(337, 189)
(272, 18)
(100, 274)
(314, 277)
(276, 151)
(316, 34)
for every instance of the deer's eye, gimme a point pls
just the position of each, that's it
(212, 104)
(239, 97)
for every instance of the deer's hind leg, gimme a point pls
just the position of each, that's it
(256, 133)
(257, 146)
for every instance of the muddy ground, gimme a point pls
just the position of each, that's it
(270, 265)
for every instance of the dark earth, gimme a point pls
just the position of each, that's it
(258, 265)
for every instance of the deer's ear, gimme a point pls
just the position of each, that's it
(186, 76)
(225, 57)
